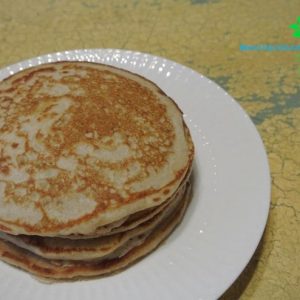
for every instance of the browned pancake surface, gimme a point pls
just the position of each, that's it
(83, 145)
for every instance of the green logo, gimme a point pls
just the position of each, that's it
(296, 28)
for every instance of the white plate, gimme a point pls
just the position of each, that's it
(230, 205)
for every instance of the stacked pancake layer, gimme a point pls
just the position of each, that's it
(94, 169)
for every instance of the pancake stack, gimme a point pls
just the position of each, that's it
(95, 167)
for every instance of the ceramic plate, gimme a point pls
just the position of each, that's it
(230, 204)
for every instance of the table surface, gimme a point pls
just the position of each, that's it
(206, 36)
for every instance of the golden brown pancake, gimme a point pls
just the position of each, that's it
(94, 169)
(83, 145)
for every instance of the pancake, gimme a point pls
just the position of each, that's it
(84, 145)
(89, 249)
(62, 270)
(95, 164)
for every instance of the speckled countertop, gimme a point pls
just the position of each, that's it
(206, 36)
